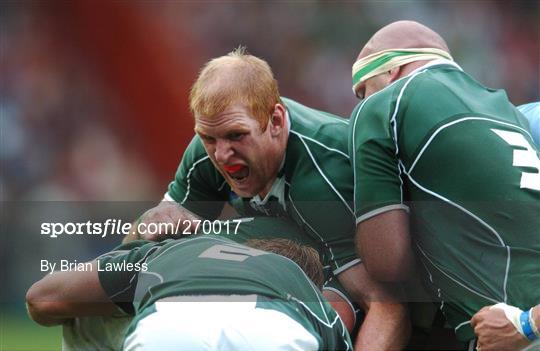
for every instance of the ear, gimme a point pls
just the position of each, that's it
(278, 120)
(395, 73)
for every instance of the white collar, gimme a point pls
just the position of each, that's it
(441, 61)
(277, 190)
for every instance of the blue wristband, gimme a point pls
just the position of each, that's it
(526, 325)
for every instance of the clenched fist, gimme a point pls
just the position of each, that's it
(496, 332)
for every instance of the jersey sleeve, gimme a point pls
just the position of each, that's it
(197, 185)
(373, 149)
(120, 283)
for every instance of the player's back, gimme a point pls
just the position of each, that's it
(471, 176)
(211, 265)
(215, 267)
(465, 144)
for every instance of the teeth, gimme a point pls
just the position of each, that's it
(237, 178)
(240, 174)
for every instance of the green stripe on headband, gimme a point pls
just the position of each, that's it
(378, 62)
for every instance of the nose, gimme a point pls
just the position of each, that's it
(223, 151)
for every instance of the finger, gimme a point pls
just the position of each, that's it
(478, 316)
(475, 320)
(478, 345)
(193, 226)
(161, 225)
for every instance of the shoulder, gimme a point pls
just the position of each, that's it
(309, 120)
(531, 110)
(317, 129)
(424, 85)
(195, 150)
(439, 81)
(196, 159)
(375, 112)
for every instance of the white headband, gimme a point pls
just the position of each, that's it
(385, 60)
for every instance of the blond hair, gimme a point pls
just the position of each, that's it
(237, 78)
(304, 256)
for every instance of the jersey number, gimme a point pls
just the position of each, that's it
(231, 253)
(523, 158)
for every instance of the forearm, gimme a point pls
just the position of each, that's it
(36, 311)
(51, 313)
(61, 296)
(386, 327)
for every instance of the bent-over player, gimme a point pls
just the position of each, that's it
(200, 293)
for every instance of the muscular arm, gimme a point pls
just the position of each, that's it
(386, 325)
(384, 244)
(61, 296)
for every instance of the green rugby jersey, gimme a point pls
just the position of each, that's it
(262, 227)
(460, 156)
(210, 265)
(282, 227)
(314, 187)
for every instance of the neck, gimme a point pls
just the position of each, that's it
(282, 152)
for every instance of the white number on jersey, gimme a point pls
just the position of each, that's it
(523, 158)
(231, 253)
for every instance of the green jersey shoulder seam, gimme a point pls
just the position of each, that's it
(302, 136)
(324, 176)
(190, 171)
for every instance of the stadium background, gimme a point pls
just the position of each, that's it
(94, 94)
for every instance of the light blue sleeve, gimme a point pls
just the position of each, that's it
(532, 112)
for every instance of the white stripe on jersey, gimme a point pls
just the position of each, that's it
(189, 177)
(324, 176)
(471, 118)
(302, 136)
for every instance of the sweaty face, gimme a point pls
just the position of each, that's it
(245, 155)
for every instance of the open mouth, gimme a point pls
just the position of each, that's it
(238, 173)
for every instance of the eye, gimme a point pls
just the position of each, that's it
(235, 136)
(207, 139)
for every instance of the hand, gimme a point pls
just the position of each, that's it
(170, 218)
(495, 332)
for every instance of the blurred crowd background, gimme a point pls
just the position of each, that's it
(94, 96)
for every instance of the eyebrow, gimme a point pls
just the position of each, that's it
(234, 129)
